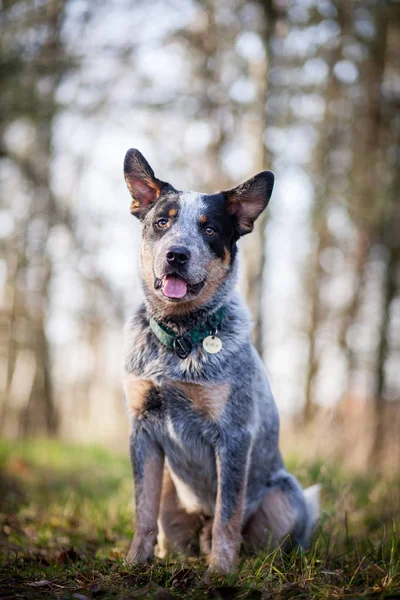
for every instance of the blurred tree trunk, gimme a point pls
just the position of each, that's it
(366, 188)
(388, 226)
(28, 406)
(328, 132)
(391, 240)
(211, 48)
(254, 245)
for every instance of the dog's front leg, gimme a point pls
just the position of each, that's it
(147, 462)
(232, 466)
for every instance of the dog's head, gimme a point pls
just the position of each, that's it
(189, 239)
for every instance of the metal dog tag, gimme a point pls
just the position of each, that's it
(212, 344)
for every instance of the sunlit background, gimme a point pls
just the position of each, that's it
(211, 92)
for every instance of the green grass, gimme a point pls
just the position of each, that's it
(66, 520)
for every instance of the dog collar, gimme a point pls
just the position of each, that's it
(183, 344)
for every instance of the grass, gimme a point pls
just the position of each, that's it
(66, 520)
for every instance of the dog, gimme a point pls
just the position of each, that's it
(207, 469)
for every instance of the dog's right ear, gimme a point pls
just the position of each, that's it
(247, 201)
(144, 187)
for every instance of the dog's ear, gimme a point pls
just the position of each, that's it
(144, 187)
(248, 200)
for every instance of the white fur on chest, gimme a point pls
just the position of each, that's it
(188, 499)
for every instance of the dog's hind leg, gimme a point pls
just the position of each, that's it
(178, 529)
(284, 515)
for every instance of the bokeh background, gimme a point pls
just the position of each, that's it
(211, 92)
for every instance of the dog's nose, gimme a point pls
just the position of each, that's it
(178, 255)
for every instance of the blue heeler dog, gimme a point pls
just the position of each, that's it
(205, 429)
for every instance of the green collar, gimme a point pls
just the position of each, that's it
(183, 344)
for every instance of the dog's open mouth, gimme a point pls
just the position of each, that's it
(175, 287)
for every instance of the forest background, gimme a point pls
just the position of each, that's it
(211, 92)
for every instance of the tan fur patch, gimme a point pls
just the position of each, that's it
(227, 257)
(172, 212)
(134, 205)
(203, 219)
(208, 399)
(155, 186)
(136, 390)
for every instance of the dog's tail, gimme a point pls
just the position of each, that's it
(312, 498)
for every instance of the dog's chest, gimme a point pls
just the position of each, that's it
(187, 442)
(188, 417)
(203, 402)
(174, 400)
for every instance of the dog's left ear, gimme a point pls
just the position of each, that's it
(248, 200)
(144, 187)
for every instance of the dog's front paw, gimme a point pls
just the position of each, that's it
(140, 552)
(212, 572)
(218, 567)
(219, 564)
(208, 577)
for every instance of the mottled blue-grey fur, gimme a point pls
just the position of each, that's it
(206, 428)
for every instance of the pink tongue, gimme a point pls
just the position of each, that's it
(174, 287)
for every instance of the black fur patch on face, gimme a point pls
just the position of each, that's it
(226, 234)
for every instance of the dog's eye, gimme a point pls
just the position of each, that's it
(161, 223)
(209, 230)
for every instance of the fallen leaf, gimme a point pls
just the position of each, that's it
(67, 556)
(18, 465)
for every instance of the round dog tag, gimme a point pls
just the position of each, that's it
(212, 344)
